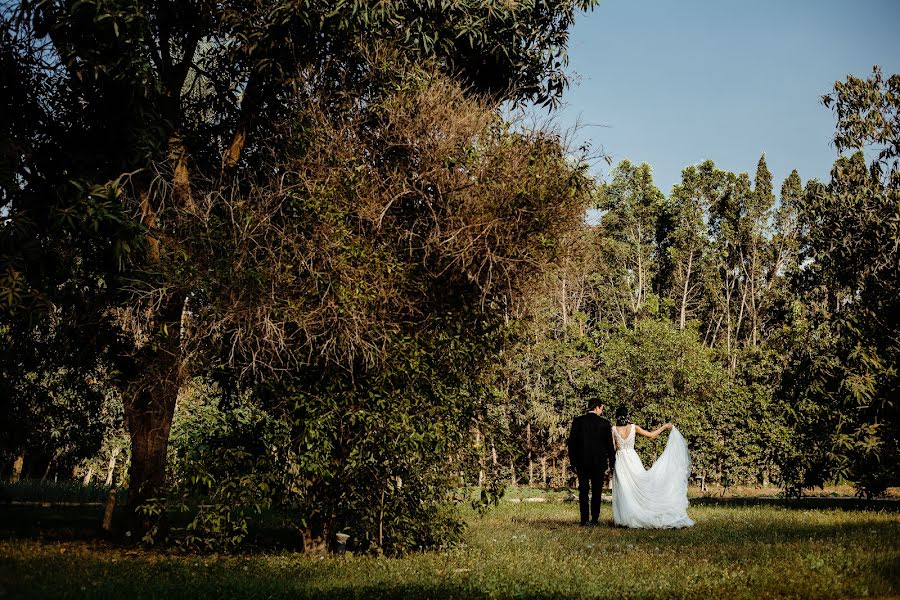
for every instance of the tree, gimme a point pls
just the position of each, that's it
(850, 281)
(684, 239)
(359, 288)
(191, 90)
(756, 242)
(631, 205)
(784, 246)
(58, 407)
(867, 112)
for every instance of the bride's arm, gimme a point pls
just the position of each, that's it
(652, 434)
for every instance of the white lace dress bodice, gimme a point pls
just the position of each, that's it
(626, 443)
(654, 498)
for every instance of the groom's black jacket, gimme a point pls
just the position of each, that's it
(590, 443)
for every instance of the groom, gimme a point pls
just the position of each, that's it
(591, 452)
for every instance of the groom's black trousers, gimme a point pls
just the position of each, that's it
(590, 479)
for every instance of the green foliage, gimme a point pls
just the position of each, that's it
(58, 407)
(226, 462)
(371, 457)
(852, 291)
(632, 205)
(663, 374)
(251, 236)
(843, 380)
(367, 457)
(867, 112)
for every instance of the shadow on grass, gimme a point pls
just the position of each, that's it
(809, 503)
(83, 523)
(137, 580)
(56, 523)
(729, 530)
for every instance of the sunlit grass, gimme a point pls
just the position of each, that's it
(519, 550)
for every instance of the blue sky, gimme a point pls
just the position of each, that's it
(673, 83)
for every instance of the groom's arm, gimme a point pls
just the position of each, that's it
(574, 442)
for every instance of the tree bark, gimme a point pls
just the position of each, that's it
(148, 417)
(684, 293)
(109, 510)
(110, 471)
(544, 470)
(50, 465)
(530, 463)
(564, 471)
(17, 467)
(158, 370)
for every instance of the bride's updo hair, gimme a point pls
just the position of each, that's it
(622, 416)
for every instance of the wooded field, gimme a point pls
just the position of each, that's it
(312, 259)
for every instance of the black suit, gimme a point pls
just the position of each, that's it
(591, 452)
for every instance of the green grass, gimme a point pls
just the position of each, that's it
(519, 550)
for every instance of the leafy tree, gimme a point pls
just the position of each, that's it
(663, 373)
(58, 411)
(867, 111)
(359, 288)
(849, 278)
(683, 238)
(191, 90)
(756, 243)
(631, 205)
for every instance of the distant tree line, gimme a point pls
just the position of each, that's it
(766, 328)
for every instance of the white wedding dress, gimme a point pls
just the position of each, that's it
(654, 498)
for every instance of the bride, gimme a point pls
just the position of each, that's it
(653, 498)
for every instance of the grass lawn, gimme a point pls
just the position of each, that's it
(519, 550)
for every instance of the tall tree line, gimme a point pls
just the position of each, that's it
(765, 327)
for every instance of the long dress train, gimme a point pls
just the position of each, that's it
(654, 498)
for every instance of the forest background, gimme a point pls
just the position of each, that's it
(276, 258)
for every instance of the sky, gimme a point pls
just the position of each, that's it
(673, 83)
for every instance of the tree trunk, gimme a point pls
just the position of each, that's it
(640, 269)
(564, 472)
(754, 319)
(684, 293)
(481, 465)
(544, 470)
(530, 464)
(17, 467)
(109, 510)
(110, 471)
(50, 465)
(148, 418)
(88, 476)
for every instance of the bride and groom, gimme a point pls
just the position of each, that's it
(646, 498)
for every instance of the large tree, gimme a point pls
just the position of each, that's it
(114, 93)
(843, 380)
